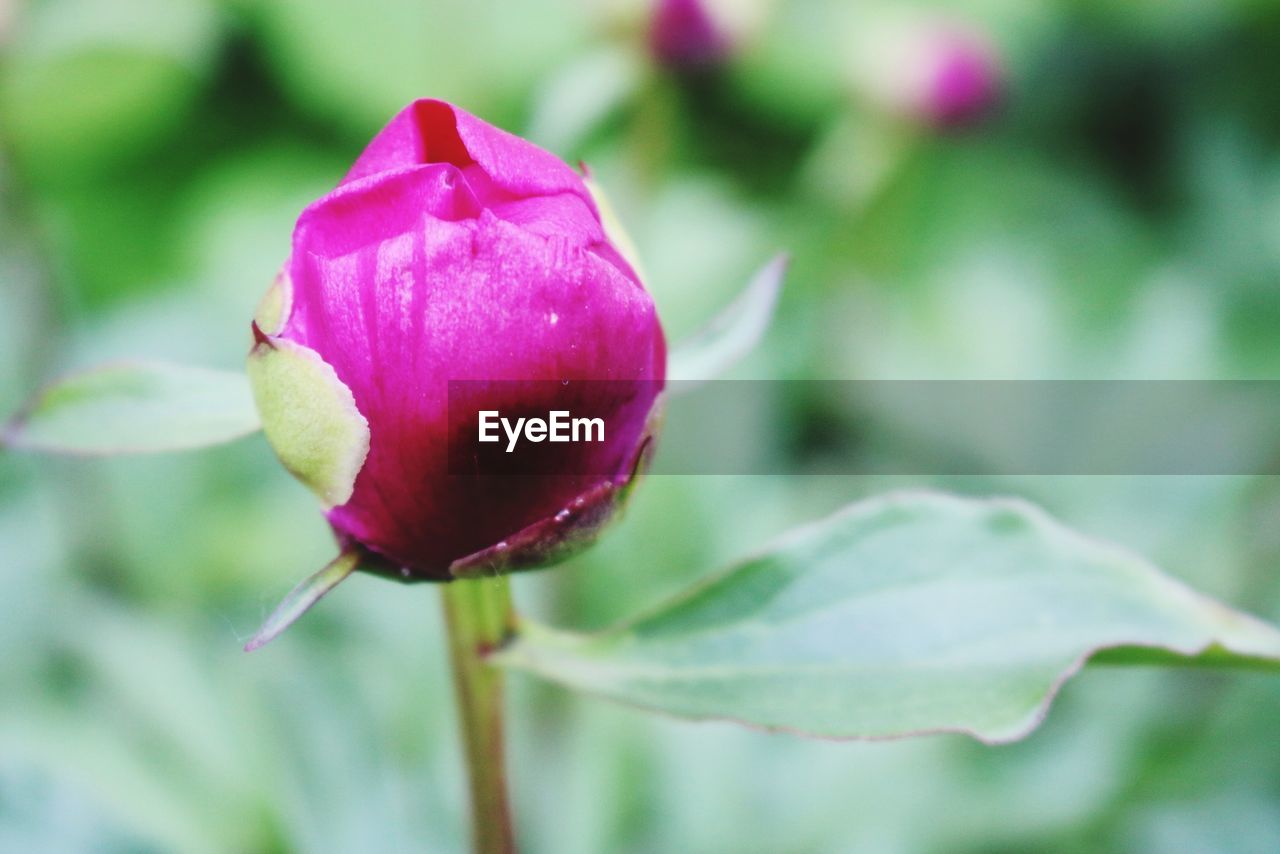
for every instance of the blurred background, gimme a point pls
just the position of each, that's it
(993, 189)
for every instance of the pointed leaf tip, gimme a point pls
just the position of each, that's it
(301, 598)
(731, 334)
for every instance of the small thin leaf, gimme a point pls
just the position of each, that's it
(136, 408)
(731, 334)
(910, 614)
(301, 598)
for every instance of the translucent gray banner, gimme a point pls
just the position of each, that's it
(820, 427)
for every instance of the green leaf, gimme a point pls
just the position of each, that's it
(731, 334)
(910, 614)
(136, 408)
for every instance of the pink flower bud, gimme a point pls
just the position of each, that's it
(684, 35)
(453, 251)
(938, 74)
(963, 79)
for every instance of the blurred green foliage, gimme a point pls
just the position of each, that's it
(1119, 217)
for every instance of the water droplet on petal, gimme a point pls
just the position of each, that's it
(563, 516)
(501, 547)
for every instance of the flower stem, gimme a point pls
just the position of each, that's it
(479, 617)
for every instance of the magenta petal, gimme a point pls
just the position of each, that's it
(429, 131)
(341, 222)
(560, 217)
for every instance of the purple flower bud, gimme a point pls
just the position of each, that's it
(963, 79)
(683, 35)
(941, 75)
(453, 251)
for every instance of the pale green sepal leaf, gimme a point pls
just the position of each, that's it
(731, 334)
(136, 408)
(275, 306)
(905, 615)
(301, 598)
(613, 228)
(310, 418)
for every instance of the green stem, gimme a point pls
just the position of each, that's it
(479, 618)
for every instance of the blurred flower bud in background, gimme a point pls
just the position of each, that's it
(684, 35)
(939, 73)
(691, 35)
